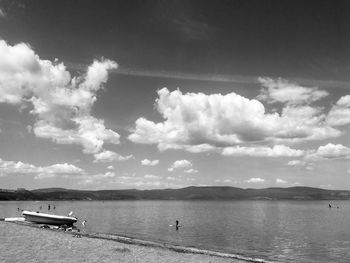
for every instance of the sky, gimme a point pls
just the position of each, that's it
(169, 94)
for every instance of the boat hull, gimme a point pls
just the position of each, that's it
(41, 218)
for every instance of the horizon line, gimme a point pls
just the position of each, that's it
(202, 186)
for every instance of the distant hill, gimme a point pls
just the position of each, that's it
(188, 193)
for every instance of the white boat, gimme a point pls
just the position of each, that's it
(42, 218)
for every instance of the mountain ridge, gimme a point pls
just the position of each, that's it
(187, 193)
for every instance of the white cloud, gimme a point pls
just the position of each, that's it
(147, 162)
(255, 180)
(189, 148)
(296, 163)
(227, 180)
(284, 91)
(126, 177)
(339, 114)
(97, 178)
(330, 151)
(344, 101)
(102, 176)
(111, 167)
(280, 181)
(148, 180)
(191, 171)
(197, 122)
(109, 156)
(307, 165)
(310, 168)
(171, 178)
(151, 176)
(11, 167)
(125, 158)
(180, 164)
(148, 183)
(275, 151)
(60, 103)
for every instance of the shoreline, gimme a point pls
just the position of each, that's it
(179, 251)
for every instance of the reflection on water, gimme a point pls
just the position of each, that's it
(287, 231)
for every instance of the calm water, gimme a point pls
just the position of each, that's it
(283, 231)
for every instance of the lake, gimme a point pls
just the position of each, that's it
(282, 231)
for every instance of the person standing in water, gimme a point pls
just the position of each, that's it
(177, 225)
(84, 225)
(48, 207)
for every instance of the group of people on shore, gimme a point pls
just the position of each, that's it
(330, 206)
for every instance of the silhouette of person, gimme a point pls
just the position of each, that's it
(84, 225)
(54, 207)
(177, 225)
(48, 207)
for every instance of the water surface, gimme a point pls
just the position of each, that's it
(284, 231)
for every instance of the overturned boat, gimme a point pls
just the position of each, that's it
(49, 219)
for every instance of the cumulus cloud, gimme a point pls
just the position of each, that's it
(255, 180)
(111, 167)
(280, 181)
(144, 184)
(224, 181)
(191, 171)
(147, 180)
(275, 151)
(109, 156)
(300, 163)
(147, 162)
(128, 180)
(197, 122)
(60, 103)
(284, 91)
(296, 163)
(151, 176)
(330, 151)
(180, 164)
(310, 168)
(97, 178)
(11, 167)
(339, 114)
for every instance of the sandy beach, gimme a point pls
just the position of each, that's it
(21, 243)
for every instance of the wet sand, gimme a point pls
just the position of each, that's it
(21, 243)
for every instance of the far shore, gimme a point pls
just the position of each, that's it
(21, 243)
